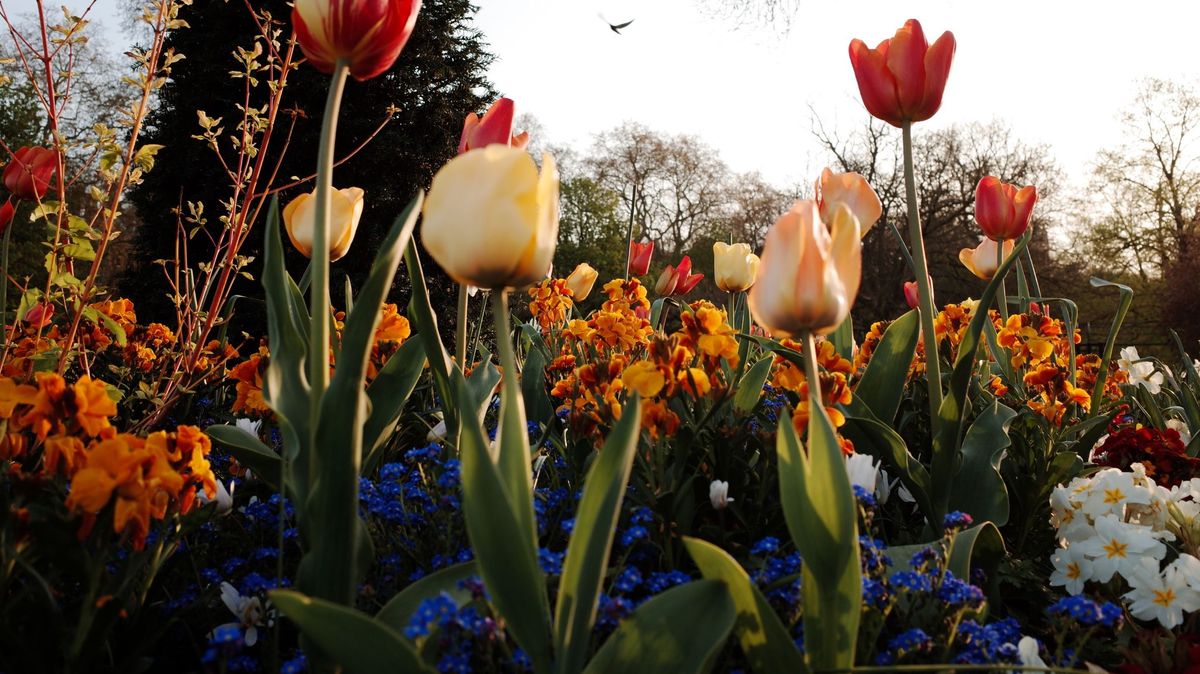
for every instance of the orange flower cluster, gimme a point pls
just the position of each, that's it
(621, 324)
(393, 330)
(1087, 368)
(550, 303)
(144, 478)
(870, 342)
(835, 385)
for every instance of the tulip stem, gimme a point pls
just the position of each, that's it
(933, 368)
(1001, 293)
(460, 328)
(903, 246)
(1033, 279)
(318, 353)
(629, 242)
(811, 374)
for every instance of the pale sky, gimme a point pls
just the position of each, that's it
(1057, 71)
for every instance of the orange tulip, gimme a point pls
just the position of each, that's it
(1002, 211)
(581, 281)
(345, 210)
(809, 274)
(981, 260)
(902, 79)
(496, 126)
(850, 190)
(367, 34)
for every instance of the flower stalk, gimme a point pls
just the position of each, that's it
(933, 370)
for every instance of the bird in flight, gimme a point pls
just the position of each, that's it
(615, 27)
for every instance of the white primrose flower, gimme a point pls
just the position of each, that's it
(1161, 596)
(1111, 491)
(718, 494)
(863, 471)
(1140, 374)
(1068, 517)
(1117, 547)
(251, 426)
(249, 611)
(223, 498)
(1072, 569)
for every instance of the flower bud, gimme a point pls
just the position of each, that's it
(345, 209)
(367, 34)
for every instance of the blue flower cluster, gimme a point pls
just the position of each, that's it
(1086, 612)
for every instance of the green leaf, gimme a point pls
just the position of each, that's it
(397, 612)
(1111, 342)
(1187, 392)
(533, 387)
(871, 436)
(388, 393)
(285, 383)
(112, 326)
(351, 638)
(79, 249)
(588, 552)
(764, 639)
(944, 464)
(423, 318)
(882, 383)
(822, 517)
(482, 383)
(680, 631)
(750, 388)
(978, 489)
(505, 551)
(513, 458)
(982, 547)
(843, 338)
(332, 565)
(249, 451)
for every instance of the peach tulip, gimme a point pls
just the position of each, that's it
(852, 191)
(734, 266)
(367, 35)
(581, 281)
(491, 220)
(1002, 211)
(809, 274)
(981, 260)
(902, 79)
(345, 210)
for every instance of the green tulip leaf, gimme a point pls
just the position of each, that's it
(397, 612)
(249, 451)
(979, 489)
(883, 381)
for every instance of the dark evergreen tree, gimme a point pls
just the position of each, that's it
(438, 79)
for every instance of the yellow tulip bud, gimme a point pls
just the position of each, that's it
(490, 220)
(852, 191)
(734, 266)
(981, 260)
(809, 274)
(581, 281)
(345, 209)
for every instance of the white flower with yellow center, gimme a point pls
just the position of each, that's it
(1072, 569)
(1118, 546)
(1161, 596)
(1111, 491)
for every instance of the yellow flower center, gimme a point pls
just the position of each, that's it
(1073, 571)
(1164, 598)
(1115, 548)
(1112, 496)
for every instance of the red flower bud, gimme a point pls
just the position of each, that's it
(639, 258)
(496, 126)
(367, 34)
(902, 79)
(28, 175)
(1002, 211)
(677, 280)
(6, 214)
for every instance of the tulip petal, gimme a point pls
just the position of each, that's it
(876, 84)
(847, 253)
(906, 61)
(937, 71)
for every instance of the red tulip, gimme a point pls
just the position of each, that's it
(1002, 211)
(28, 175)
(39, 314)
(677, 280)
(7, 211)
(495, 127)
(912, 293)
(367, 34)
(639, 258)
(902, 79)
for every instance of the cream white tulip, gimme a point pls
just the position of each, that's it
(345, 209)
(490, 220)
(734, 266)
